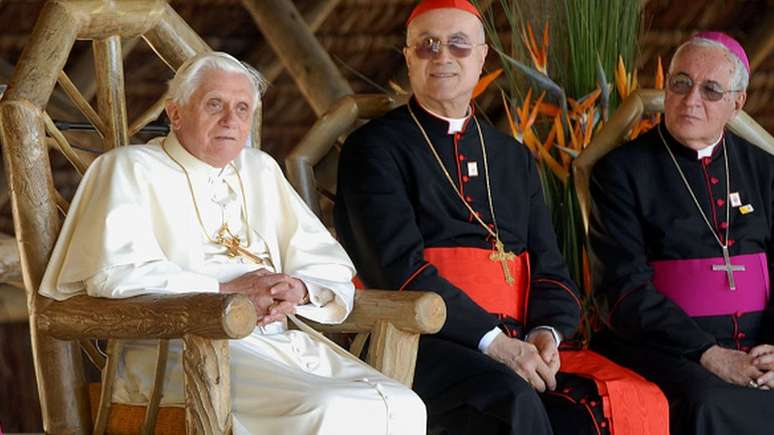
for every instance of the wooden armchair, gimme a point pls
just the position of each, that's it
(62, 330)
(644, 102)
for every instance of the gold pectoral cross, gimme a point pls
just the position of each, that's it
(503, 257)
(234, 246)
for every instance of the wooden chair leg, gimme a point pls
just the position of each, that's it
(207, 386)
(393, 352)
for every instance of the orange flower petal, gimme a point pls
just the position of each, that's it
(620, 78)
(659, 75)
(485, 81)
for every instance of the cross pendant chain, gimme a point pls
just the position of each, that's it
(728, 268)
(503, 257)
(233, 245)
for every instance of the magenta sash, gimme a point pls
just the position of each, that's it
(701, 291)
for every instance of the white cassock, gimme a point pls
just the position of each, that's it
(133, 228)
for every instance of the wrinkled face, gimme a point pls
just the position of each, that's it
(215, 122)
(444, 79)
(693, 120)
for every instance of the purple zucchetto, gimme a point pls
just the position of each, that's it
(730, 43)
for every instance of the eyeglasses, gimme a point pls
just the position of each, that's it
(431, 47)
(681, 84)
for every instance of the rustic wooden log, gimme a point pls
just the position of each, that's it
(313, 17)
(13, 304)
(410, 311)
(58, 365)
(82, 71)
(10, 268)
(82, 102)
(152, 411)
(44, 56)
(173, 40)
(111, 102)
(208, 386)
(99, 19)
(114, 349)
(150, 114)
(320, 139)
(207, 315)
(393, 352)
(63, 145)
(308, 63)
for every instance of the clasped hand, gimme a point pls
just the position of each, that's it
(748, 369)
(536, 360)
(275, 295)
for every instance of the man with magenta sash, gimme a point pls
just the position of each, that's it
(681, 232)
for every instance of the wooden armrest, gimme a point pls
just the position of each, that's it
(153, 315)
(410, 311)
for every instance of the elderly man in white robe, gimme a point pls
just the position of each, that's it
(198, 211)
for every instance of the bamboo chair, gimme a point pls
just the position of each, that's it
(644, 102)
(61, 330)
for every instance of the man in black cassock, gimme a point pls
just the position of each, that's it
(681, 231)
(430, 197)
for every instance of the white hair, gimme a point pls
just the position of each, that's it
(189, 75)
(741, 77)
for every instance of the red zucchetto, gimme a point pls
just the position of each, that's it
(429, 5)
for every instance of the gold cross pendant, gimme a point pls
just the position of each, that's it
(233, 245)
(503, 257)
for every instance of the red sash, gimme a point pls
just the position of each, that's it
(471, 270)
(633, 405)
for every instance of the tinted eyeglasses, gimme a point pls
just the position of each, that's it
(429, 48)
(681, 84)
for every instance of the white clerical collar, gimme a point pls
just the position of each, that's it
(707, 151)
(455, 124)
(188, 160)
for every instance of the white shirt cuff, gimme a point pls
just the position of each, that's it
(554, 332)
(488, 338)
(319, 296)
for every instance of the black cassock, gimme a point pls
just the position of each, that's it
(648, 238)
(394, 201)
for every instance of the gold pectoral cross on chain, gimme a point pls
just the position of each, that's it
(234, 246)
(503, 257)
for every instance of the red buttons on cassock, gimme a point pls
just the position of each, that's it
(714, 180)
(461, 157)
(724, 225)
(706, 161)
(468, 199)
(720, 202)
(465, 178)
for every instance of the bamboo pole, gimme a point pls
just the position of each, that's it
(109, 67)
(308, 63)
